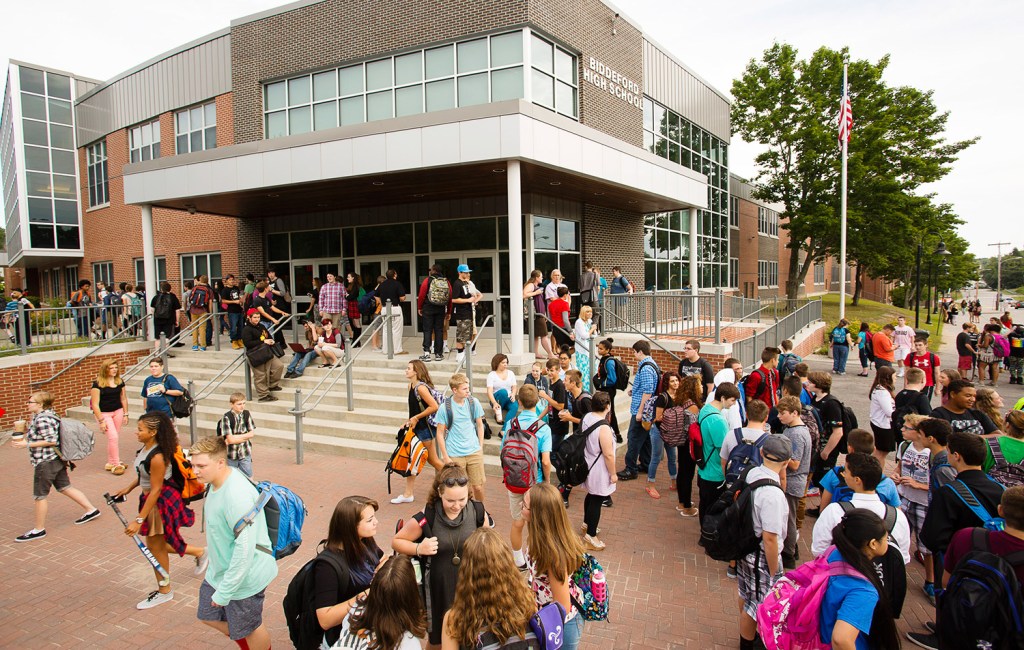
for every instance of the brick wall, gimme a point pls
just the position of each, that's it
(747, 251)
(614, 238)
(68, 389)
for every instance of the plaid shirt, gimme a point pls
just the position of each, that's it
(332, 298)
(232, 424)
(645, 381)
(45, 426)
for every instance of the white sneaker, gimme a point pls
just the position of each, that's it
(899, 374)
(202, 562)
(447, 350)
(401, 498)
(460, 357)
(155, 598)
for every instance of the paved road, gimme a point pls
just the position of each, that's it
(77, 588)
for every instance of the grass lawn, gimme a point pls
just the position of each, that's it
(877, 314)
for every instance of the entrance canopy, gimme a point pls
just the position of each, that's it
(452, 154)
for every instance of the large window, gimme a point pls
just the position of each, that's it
(734, 212)
(476, 71)
(819, 273)
(194, 264)
(734, 273)
(671, 136)
(556, 245)
(144, 142)
(667, 250)
(161, 272)
(767, 221)
(767, 274)
(96, 162)
(195, 129)
(71, 279)
(102, 272)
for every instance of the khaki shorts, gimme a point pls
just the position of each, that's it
(515, 505)
(474, 466)
(463, 330)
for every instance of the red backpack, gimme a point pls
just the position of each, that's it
(697, 442)
(519, 456)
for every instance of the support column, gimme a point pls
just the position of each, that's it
(149, 260)
(515, 259)
(694, 283)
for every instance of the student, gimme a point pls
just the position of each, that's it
(577, 405)
(763, 383)
(757, 415)
(862, 474)
(241, 568)
(990, 402)
(911, 478)
(732, 372)
(798, 471)
(108, 399)
(689, 397)
(965, 350)
(856, 611)
(665, 400)
(434, 304)
(881, 410)
(802, 370)
(645, 385)
(787, 359)
(329, 344)
(1011, 445)
(959, 411)
(714, 430)
(583, 331)
(758, 571)
(159, 388)
(501, 387)
(42, 440)
(553, 556)
(350, 542)
(537, 377)
(238, 429)
(492, 604)
(465, 296)
(300, 360)
(460, 433)
(11, 317)
(903, 339)
(910, 400)
(600, 457)
(926, 361)
(831, 411)
(535, 291)
(556, 399)
(883, 348)
(267, 368)
(865, 348)
(693, 364)
(558, 312)
(860, 442)
(450, 517)
(606, 379)
(840, 341)
(390, 615)
(422, 405)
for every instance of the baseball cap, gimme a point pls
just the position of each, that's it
(777, 448)
(464, 268)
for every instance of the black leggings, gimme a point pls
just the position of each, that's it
(615, 420)
(592, 512)
(684, 481)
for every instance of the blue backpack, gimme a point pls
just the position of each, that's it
(591, 607)
(743, 456)
(285, 515)
(988, 520)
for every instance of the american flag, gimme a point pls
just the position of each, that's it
(845, 117)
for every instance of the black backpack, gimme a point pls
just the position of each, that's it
(890, 567)
(303, 626)
(727, 532)
(982, 606)
(164, 308)
(570, 460)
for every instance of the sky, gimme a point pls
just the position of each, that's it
(968, 53)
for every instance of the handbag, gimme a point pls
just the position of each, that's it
(277, 350)
(261, 355)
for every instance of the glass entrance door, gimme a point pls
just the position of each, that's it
(303, 272)
(372, 268)
(483, 269)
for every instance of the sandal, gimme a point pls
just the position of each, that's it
(118, 469)
(672, 486)
(652, 492)
(108, 467)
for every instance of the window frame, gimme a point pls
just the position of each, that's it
(103, 272)
(153, 126)
(97, 174)
(186, 136)
(138, 263)
(197, 255)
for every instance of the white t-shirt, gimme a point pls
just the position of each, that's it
(882, 406)
(750, 435)
(771, 510)
(904, 337)
(497, 383)
(833, 514)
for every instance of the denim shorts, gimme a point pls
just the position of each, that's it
(242, 616)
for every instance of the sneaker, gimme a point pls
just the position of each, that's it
(89, 516)
(730, 572)
(276, 388)
(438, 357)
(202, 349)
(401, 498)
(813, 512)
(202, 562)
(686, 512)
(426, 358)
(31, 535)
(929, 592)
(813, 492)
(626, 475)
(788, 561)
(447, 350)
(583, 529)
(924, 640)
(155, 598)
(607, 503)
(195, 348)
(592, 543)
(460, 357)
(268, 398)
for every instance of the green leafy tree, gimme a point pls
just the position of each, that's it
(790, 106)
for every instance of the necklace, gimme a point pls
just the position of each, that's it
(456, 560)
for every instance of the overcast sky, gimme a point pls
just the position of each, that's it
(968, 53)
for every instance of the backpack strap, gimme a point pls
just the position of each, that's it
(997, 453)
(738, 432)
(250, 517)
(961, 490)
(337, 562)
(848, 507)
(890, 518)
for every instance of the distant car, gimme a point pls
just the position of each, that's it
(1018, 304)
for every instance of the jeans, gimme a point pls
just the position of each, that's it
(638, 447)
(839, 355)
(433, 329)
(657, 447)
(571, 632)
(865, 362)
(82, 322)
(503, 399)
(242, 464)
(684, 480)
(300, 361)
(235, 325)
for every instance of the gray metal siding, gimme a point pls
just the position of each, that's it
(673, 85)
(181, 79)
(744, 189)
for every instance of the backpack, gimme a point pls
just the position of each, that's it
(112, 299)
(182, 405)
(743, 456)
(674, 425)
(839, 335)
(982, 604)
(285, 513)
(164, 308)
(303, 626)
(763, 387)
(199, 298)
(988, 520)
(77, 298)
(787, 364)
(519, 456)
(183, 476)
(75, 440)
(843, 493)
(439, 292)
(900, 414)
(790, 614)
(648, 414)
(1000, 346)
(547, 625)
(812, 421)
(697, 442)
(135, 306)
(889, 567)
(368, 304)
(621, 373)
(570, 460)
(1006, 473)
(409, 456)
(727, 532)
(869, 345)
(588, 606)
(438, 397)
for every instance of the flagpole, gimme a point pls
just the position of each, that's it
(842, 209)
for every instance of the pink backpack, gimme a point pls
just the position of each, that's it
(1000, 346)
(790, 616)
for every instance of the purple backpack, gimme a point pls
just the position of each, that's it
(789, 618)
(1000, 346)
(547, 625)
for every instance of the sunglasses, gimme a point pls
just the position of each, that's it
(452, 482)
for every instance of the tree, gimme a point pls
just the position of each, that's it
(1013, 271)
(790, 106)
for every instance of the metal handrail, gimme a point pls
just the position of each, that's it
(467, 358)
(232, 365)
(606, 312)
(160, 351)
(96, 349)
(365, 335)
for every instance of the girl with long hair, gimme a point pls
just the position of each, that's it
(162, 513)
(421, 406)
(606, 380)
(987, 362)
(353, 292)
(947, 375)
(690, 396)
(852, 604)
(883, 395)
(667, 399)
(492, 603)
(350, 540)
(584, 330)
(109, 402)
(864, 348)
(990, 402)
(553, 556)
(450, 517)
(390, 615)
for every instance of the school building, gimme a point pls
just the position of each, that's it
(327, 135)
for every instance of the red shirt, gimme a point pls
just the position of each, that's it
(928, 362)
(556, 311)
(1000, 543)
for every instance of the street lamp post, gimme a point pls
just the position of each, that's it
(940, 250)
(917, 290)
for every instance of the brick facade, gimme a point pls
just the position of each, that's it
(614, 238)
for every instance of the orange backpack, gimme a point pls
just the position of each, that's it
(409, 456)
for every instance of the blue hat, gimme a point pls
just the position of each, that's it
(464, 268)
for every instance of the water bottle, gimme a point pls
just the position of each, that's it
(598, 586)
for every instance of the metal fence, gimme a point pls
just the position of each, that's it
(53, 328)
(748, 350)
